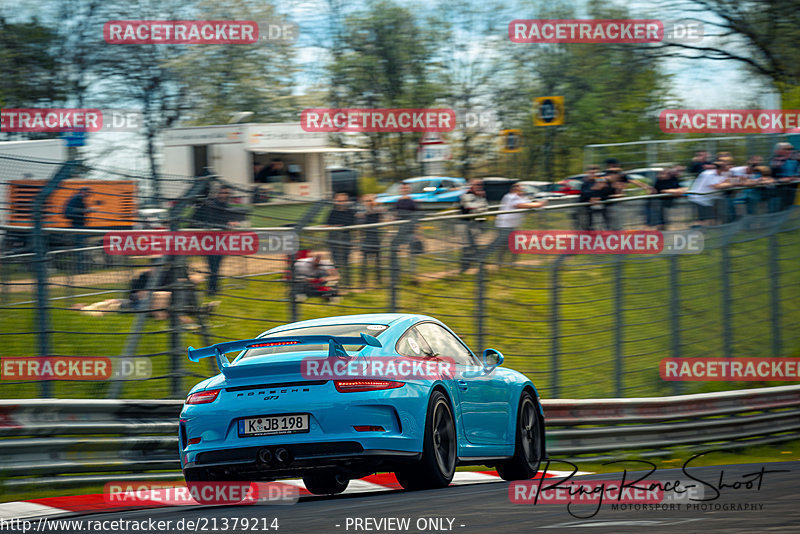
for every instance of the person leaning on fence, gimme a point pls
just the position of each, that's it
(508, 222)
(340, 242)
(582, 215)
(785, 169)
(705, 188)
(216, 212)
(748, 176)
(473, 201)
(667, 182)
(371, 213)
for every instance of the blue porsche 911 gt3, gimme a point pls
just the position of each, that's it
(339, 398)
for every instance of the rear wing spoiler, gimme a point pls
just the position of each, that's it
(335, 346)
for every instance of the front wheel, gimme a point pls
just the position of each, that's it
(528, 447)
(326, 483)
(438, 463)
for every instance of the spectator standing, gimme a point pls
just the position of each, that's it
(704, 187)
(748, 176)
(508, 222)
(583, 214)
(76, 211)
(371, 213)
(784, 165)
(216, 212)
(340, 242)
(472, 201)
(619, 182)
(700, 162)
(406, 208)
(667, 182)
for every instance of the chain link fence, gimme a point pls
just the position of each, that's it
(579, 326)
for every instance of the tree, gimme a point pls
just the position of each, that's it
(762, 35)
(384, 61)
(612, 93)
(27, 61)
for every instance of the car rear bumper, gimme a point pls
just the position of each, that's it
(273, 462)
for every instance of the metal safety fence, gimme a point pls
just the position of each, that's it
(62, 443)
(578, 325)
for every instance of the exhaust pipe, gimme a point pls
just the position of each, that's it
(282, 456)
(265, 456)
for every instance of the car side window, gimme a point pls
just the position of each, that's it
(446, 344)
(412, 344)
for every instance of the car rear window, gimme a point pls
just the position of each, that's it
(331, 330)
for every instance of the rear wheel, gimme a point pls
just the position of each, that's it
(438, 463)
(326, 483)
(528, 448)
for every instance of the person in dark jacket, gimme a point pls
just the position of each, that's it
(371, 237)
(216, 212)
(340, 242)
(76, 211)
(406, 208)
(472, 201)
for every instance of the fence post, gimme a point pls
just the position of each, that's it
(480, 280)
(40, 250)
(775, 285)
(727, 328)
(675, 313)
(555, 331)
(394, 269)
(306, 220)
(174, 308)
(619, 313)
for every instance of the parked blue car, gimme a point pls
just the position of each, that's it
(429, 192)
(266, 416)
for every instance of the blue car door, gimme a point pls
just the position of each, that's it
(485, 398)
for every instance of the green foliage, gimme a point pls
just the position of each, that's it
(27, 63)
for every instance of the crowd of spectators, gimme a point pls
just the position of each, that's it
(714, 186)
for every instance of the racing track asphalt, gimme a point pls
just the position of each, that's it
(486, 508)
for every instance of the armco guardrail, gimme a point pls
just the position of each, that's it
(77, 442)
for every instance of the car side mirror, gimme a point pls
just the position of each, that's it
(492, 358)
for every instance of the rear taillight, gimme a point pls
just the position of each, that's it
(350, 386)
(202, 397)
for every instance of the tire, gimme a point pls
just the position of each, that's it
(528, 443)
(439, 449)
(326, 483)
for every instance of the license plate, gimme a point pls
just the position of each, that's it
(271, 425)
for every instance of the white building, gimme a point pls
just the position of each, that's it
(231, 151)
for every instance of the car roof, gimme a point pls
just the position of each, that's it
(364, 318)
